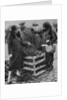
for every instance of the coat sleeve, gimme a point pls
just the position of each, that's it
(10, 51)
(53, 38)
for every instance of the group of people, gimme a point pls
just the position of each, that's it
(25, 41)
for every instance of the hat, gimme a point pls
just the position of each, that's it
(14, 28)
(46, 26)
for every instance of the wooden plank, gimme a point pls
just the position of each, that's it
(34, 66)
(28, 63)
(40, 72)
(37, 62)
(30, 69)
(40, 67)
(34, 57)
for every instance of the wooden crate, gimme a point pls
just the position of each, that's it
(36, 64)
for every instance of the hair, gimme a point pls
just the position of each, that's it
(47, 26)
(12, 34)
(13, 29)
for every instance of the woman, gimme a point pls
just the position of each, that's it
(15, 51)
(49, 38)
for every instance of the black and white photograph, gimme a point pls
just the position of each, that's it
(31, 51)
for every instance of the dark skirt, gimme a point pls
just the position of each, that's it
(49, 59)
(16, 62)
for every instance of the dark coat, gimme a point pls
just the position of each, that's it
(52, 37)
(16, 61)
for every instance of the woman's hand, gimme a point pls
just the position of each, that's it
(10, 55)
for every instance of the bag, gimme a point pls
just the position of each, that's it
(50, 48)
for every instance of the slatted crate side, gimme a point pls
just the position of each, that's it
(31, 63)
(28, 65)
(34, 61)
(39, 73)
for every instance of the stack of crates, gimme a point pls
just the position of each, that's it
(36, 64)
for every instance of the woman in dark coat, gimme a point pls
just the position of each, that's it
(16, 49)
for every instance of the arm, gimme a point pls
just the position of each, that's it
(53, 38)
(10, 51)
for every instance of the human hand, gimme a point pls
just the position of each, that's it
(10, 55)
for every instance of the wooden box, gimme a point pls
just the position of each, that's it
(36, 64)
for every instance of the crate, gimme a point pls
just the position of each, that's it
(36, 64)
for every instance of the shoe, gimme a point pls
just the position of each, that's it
(9, 82)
